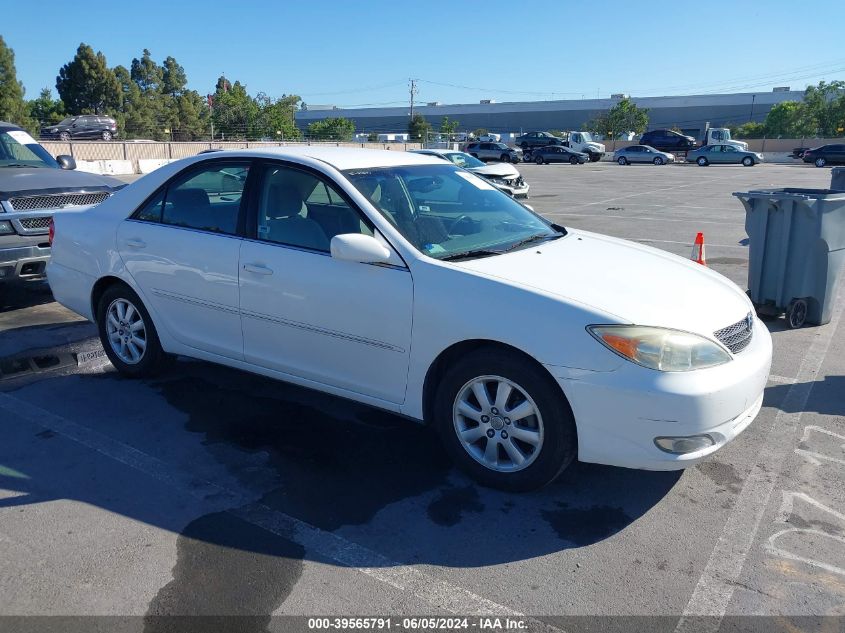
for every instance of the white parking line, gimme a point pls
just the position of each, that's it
(715, 587)
(438, 593)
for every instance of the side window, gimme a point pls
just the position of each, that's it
(151, 212)
(296, 208)
(208, 199)
(728, 148)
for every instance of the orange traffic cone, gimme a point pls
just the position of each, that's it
(698, 250)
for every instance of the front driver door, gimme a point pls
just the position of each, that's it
(338, 323)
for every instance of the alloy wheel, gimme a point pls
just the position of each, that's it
(126, 331)
(498, 424)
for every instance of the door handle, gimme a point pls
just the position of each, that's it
(258, 269)
(134, 242)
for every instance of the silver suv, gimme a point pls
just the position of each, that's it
(494, 151)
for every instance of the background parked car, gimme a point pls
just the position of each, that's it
(559, 154)
(503, 176)
(494, 151)
(723, 154)
(34, 186)
(642, 154)
(83, 126)
(668, 141)
(490, 137)
(825, 155)
(537, 139)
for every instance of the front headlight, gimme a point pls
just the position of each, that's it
(660, 348)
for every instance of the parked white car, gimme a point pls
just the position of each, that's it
(503, 176)
(407, 283)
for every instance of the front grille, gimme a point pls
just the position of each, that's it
(736, 337)
(57, 201)
(35, 224)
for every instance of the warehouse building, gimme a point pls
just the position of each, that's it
(689, 113)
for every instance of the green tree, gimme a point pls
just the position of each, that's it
(752, 129)
(45, 110)
(276, 116)
(235, 112)
(173, 77)
(785, 120)
(448, 126)
(625, 116)
(87, 85)
(418, 128)
(333, 129)
(12, 106)
(825, 106)
(480, 132)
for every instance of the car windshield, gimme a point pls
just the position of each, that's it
(464, 160)
(449, 213)
(19, 149)
(587, 137)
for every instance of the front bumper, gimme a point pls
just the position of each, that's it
(23, 262)
(517, 191)
(620, 413)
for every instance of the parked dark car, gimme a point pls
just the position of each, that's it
(558, 154)
(34, 186)
(83, 126)
(667, 141)
(825, 155)
(493, 151)
(537, 139)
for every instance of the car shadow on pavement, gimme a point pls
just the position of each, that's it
(17, 295)
(375, 478)
(826, 397)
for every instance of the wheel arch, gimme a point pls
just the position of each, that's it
(103, 284)
(449, 355)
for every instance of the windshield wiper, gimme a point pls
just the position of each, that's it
(471, 254)
(539, 237)
(19, 165)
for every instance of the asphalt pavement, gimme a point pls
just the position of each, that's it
(211, 491)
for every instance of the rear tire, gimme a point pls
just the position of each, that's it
(127, 333)
(551, 426)
(106, 135)
(702, 162)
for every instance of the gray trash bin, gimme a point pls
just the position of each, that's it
(837, 179)
(796, 251)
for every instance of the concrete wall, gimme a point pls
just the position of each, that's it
(114, 156)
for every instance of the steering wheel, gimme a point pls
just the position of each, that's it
(458, 221)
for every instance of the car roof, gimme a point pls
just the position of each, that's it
(338, 157)
(4, 126)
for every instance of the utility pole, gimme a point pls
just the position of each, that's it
(751, 117)
(414, 91)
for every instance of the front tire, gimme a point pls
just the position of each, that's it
(820, 162)
(504, 421)
(573, 160)
(748, 161)
(505, 158)
(127, 333)
(64, 136)
(622, 161)
(702, 162)
(539, 160)
(658, 160)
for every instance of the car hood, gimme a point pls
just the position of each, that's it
(628, 281)
(498, 170)
(35, 180)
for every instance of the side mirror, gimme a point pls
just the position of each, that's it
(355, 247)
(66, 162)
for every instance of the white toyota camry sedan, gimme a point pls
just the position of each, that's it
(407, 283)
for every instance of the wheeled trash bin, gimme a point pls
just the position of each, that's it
(796, 252)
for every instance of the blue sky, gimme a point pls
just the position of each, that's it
(352, 53)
